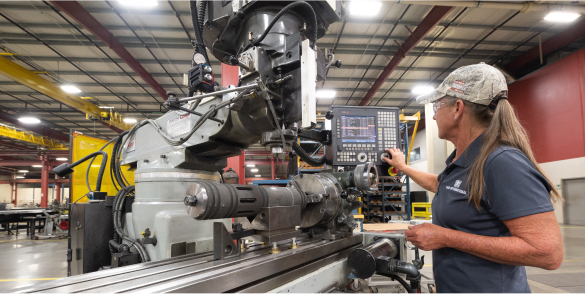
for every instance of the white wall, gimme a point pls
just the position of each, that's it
(557, 171)
(25, 194)
(420, 141)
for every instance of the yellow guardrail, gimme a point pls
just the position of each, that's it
(418, 213)
(8, 132)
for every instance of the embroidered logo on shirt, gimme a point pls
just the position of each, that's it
(457, 184)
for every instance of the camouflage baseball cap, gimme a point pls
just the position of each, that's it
(477, 83)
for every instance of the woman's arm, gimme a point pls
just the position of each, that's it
(428, 181)
(535, 241)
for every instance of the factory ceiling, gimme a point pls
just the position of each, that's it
(48, 40)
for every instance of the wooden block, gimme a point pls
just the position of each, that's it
(385, 227)
(358, 216)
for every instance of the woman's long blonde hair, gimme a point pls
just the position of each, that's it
(503, 128)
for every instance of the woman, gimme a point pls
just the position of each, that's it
(492, 211)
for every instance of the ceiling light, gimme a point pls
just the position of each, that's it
(23, 171)
(107, 107)
(325, 94)
(250, 165)
(19, 177)
(258, 176)
(364, 8)
(130, 120)
(70, 89)
(29, 120)
(139, 3)
(561, 16)
(254, 170)
(421, 90)
(61, 159)
(37, 166)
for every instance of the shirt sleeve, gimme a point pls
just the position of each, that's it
(515, 188)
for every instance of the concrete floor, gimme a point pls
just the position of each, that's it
(25, 262)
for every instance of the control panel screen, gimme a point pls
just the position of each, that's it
(358, 129)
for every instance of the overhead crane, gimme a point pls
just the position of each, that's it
(110, 118)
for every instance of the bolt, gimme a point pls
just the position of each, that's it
(293, 245)
(274, 248)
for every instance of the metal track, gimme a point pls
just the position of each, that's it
(201, 273)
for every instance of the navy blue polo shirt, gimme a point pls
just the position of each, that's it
(514, 187)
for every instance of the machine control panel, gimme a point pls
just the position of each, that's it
(362, 134)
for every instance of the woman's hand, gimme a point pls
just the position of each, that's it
(397, 160)
(427, 236)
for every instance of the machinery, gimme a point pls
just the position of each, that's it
(170, 229)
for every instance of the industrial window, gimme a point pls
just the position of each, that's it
(415, 154)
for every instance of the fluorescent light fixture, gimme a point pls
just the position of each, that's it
(258, 176)
(70, 89)
(130, 120)
(254, 170)
(325, 94)
(561, 16)
(250, 165)
(61, 159)
(37, 166)
(29, 120)
(421, 90)
(23, 171)
(19, 177)
(139, 3)
(107, 107)
(364, 8)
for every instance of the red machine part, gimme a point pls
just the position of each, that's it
(64, 225)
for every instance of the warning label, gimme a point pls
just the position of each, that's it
(131, 143)
(179, 125)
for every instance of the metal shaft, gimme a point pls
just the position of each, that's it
(208, 200)
(186, 99)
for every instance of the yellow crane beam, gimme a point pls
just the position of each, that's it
(29, 137)
(30, 79)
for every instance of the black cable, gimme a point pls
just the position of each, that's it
(400, 280)
(98, 184)
(422, 52)
(68, 60)
(101, 50)
(314, 161)
(199, 44)
(378, 52)
(145, 46)
(308, 14)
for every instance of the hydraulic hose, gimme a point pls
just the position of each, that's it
(98, 184)
(401, 281)
(406, 268)
(308, 14)
(314, 161)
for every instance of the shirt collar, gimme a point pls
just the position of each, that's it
(468, 155)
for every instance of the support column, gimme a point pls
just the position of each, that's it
(12, 196)
(238, 164)
(45, 180)
(58, 192)
(272, 174)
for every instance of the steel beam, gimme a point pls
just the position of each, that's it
(34, 128)
(27, 162)
(63, 153)
(429, 23)
(561, 40)
(32, 80)
(14, 146)
(83, 17)
(34, 181)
